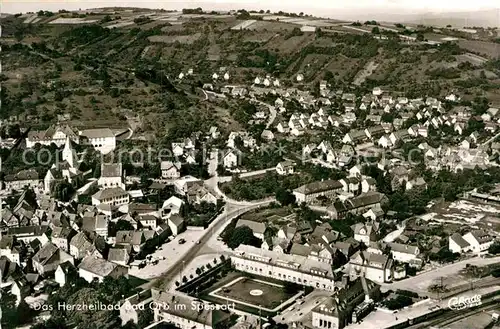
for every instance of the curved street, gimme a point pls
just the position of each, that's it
(231, 211)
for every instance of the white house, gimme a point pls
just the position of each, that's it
(457, 244)
(285, 168)
(478, 240)
(404, 253)
(62, 273)
(258, 228)
(230, 159)
(170, 170)
(374, 267)
(171, 206)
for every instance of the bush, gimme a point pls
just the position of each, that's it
(398, 303)
(407, 293)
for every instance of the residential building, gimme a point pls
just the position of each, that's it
(171, 206)
(285, 168)
(478, 240)
(176, 224)
(111, 176)
(22, 180)
(374, 267)
(80, 246)
(63, 272)
(365, 232)
(49, 257)
(357, 205)
(93, 268)
(119, 256)
(230, 159)
(457, 244)
(170, 170)
(130, 308)
(61, 237)
(404, 253)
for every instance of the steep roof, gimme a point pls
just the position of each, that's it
(319, 186)
(256, 227)
(206, 316)
(98, 266)
(111, 170)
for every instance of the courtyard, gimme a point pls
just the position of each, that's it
(253, 294)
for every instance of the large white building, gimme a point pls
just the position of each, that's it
(292, 268)
(103, 140)
(55, 135)
(310, 192)
(115, 196)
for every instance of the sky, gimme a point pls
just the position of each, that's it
(315, 7)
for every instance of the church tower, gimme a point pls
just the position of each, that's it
(68, 153)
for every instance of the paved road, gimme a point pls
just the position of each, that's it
(231, 212)
(420, 283)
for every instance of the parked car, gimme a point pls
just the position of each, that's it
(181, 241)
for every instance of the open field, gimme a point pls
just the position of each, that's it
(489, 49)
(465, 212)
(183, 39)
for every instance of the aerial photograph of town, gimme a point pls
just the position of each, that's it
(250, 164)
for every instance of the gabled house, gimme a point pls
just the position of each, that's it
(355, 137)
(257, 228)
(176, 224)
(80, 246)
(285, 168)
(49, 257)
(170, 170)
(93, 268)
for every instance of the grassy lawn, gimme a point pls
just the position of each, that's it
(271, 296)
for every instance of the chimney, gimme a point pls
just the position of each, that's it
(345, 280)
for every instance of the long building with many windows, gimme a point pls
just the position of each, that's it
(292, 268)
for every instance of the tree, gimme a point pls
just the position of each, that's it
(420, 36)
(241, 235)
(285, 197)
(494, 248)
(63, 191)
(376, 30)
(184, 279)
